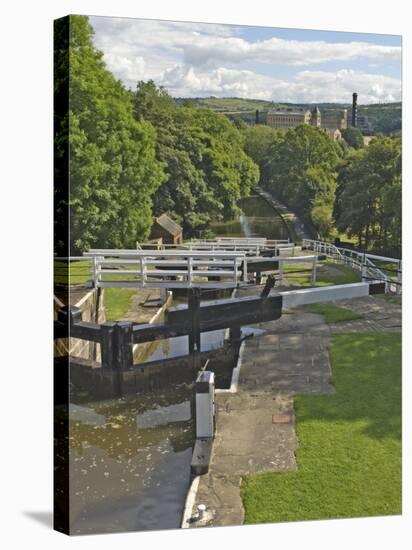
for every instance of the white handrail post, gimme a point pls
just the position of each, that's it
(99, 269)
(245, 270)
(189, 270)
(143, 270)
(94, 271)
(281, 275)
(313, 278)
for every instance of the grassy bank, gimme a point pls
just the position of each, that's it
(340, 275)
(333, 313)
(349, 454)
(117, 302)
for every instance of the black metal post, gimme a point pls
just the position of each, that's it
(69, 315)
(123, 352)
(125, 344)
(235, 333)
(194, 334)
(270, 283)
(107, 345)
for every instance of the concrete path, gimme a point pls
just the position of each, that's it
(256, 426)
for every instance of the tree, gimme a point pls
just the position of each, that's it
(368, 200)
(206, 166)
(113, 169)
(302, 168)
(261, 142)
(353, 137)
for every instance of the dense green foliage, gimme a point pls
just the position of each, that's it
(206, 166)
(369, 194)
(385, 118)
(113, 169)
(126, 146)
(337, 187)
(349, 454)
(298, 167)
(353, 137)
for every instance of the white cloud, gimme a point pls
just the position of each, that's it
(208, 51)
(199, 59)
(304, 87)
(128, 69)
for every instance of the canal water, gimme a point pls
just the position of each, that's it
(258, 219)
(130, 462)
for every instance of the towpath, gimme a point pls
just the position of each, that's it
(289, 217)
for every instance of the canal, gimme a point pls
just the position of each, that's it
(130, 457)
(130, 461)
(257, 219)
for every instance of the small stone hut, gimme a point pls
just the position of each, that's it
(166, 229)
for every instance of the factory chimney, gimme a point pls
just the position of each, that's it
(354, 109)
(257, 116)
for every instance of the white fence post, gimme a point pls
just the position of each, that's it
(143, 270)
(189, 270)
(205, 404)
(94, 271)
(281, 275)
(313, 278)
(245, 270)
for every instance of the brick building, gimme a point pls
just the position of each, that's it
(166, 229)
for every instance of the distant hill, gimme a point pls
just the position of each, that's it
(385, 118)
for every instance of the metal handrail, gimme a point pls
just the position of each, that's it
(360, 261)
(167, 269)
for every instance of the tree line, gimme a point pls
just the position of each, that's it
(134, 154)
(340, 189)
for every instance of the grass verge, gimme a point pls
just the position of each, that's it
(340, 275)
(117, 302)
(349, 454)
(335, 314)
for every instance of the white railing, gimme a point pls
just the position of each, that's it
(298, 259)
(361, 262)
(167, 268)
(250, 245)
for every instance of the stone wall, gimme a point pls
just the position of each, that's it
(82, 348)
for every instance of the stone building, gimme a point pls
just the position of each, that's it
(166, 229)
(287, 119)
(330, 121)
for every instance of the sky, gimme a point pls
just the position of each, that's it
(283, 65)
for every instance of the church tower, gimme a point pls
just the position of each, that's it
(315, 117)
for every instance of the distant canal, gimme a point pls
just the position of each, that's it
(258, 219)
